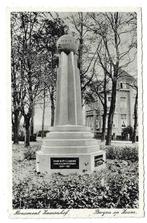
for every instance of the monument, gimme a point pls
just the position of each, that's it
(70, 146)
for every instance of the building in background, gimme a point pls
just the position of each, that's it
(124, 109)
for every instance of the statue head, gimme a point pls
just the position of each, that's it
(67, 44)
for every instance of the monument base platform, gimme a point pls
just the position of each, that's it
(67, 163)
(70, 149)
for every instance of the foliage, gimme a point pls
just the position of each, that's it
(76, 191)
(21, 153)
(122, 152)
(30, 154)
(127, 131)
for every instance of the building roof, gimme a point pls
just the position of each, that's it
(124, 75)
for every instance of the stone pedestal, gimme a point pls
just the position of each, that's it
(69, 147)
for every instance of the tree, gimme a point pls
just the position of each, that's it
(112, 30)
(135, 116)
(43, 113)
(47, 38)
(36, 35)
(134, 86)
(16, 100)
(102, 88)
(98, 90)
(28, 76)
(17, 94)
(104, 103)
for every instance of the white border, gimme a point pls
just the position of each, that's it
(4, 88)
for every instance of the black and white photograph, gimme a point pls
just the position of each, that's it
(76, 113)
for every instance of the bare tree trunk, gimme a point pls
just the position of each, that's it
(104, 125)
(15, 116)
(81, 41)
(52, 106)
(105, 110)
(32, 122)
(111, 112)
(135, 118)
(27, 130)
(80, 55)
(52, 113)
(43, 115)
(16, 127)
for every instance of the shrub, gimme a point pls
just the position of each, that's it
(30, 153)
(116, 186)
(21, 152)
(122, 152)
(127, 131)
(77, 192)
(22, 138)
(44, 133)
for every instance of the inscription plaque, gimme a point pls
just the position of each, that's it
(98, 160)
(64, 163)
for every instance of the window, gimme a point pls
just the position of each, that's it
(121, 85)
(109, 98)
(122, 98)
(123, 103)
(123, 116)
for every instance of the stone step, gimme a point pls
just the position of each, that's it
(69, 135)
(70, 149)
(69, 142)
(69, 128)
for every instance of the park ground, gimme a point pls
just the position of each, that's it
(116, 186)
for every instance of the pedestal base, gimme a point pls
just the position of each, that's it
(67, 163)
(70, 149)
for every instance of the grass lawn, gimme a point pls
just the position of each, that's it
(114, 187)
